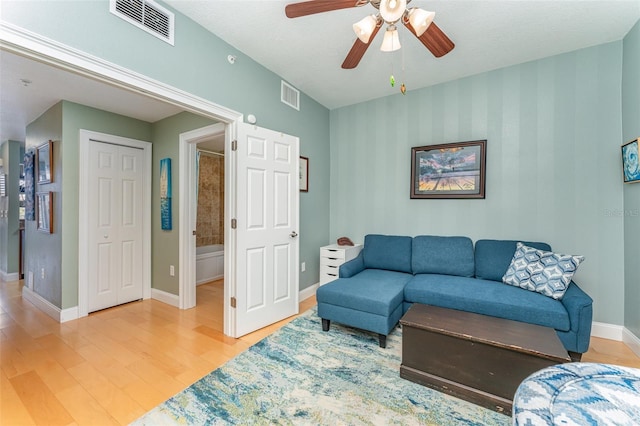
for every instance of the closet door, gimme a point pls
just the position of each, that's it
(116, 175)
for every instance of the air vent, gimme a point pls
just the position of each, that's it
(289, 95)
(146, 14)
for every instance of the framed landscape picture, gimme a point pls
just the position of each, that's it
(453, 170)
(630, 166)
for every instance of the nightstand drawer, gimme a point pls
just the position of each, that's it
(330, 270)
(331, 261)
(332, 253)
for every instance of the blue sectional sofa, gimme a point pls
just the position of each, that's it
(392, 272)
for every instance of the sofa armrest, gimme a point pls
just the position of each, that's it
(580, 308)
(352, 267)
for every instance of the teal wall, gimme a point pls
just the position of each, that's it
(630, 131)
(43, 252)
(10, 153)
(198, 64)
(165, 244)
(553, 168)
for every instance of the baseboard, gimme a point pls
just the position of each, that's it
(308, 292)
(13, 276)
(606, 331)
(631, 340)
(165, 297)
(60, 315)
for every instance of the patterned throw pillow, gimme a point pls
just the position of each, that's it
(541, 271)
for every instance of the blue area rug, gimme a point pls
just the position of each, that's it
(302, 375)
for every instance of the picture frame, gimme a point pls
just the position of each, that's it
(452, 170)
(44, 212)
(304, 174)
(44, 162)
(29, 185)
(630, 165)
(165, 194)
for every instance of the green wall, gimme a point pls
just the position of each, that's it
(166, 134)
(198, 64)
(553, 168)
(10, 153)
(43, 252)
(630, 131)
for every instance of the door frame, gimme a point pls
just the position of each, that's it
(187, 203)
(85, 138)
(34, 46)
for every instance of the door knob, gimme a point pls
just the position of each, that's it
(293, 234)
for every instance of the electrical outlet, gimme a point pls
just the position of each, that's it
(172, 270)
(303, 267)
(42, 273)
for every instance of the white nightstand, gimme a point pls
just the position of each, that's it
(332, 256)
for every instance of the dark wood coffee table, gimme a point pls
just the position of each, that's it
(478, 358)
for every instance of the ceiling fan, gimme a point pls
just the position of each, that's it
(390, 12)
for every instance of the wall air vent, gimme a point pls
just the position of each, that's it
(289, 95)
(146, 14)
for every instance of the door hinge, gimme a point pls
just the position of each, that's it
(233, 302)
(193, 232)
(234, 145)
(234, 223)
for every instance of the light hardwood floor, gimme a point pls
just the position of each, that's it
(113, 366)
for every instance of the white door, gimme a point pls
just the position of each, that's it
(115, 206)
(267, 228)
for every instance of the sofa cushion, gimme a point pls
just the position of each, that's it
(373, 290)
(487, 297)
(442, 255)
(389, 252)
(544, 272)
(493, 257)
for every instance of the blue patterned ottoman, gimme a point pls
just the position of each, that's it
(579, 394)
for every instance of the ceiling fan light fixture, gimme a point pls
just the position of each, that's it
(364, 28)
(391, 41)
(420, 20)
(392, 10)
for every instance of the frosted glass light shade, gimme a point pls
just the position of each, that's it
(392, 10)
(420, 20)
(391, 41)
(364, 28)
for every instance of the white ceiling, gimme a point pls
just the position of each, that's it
(308, 51)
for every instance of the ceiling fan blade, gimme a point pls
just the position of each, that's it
(357, 51)
(295, 10)
(434, 39)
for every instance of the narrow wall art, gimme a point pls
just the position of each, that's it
(630, 165)
(29, 185)
(165, 194)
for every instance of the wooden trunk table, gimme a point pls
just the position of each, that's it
(478, 358)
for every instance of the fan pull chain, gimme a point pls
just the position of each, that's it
(403, 88)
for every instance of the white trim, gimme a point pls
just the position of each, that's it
(187, 205)
(631, 340)
(60, 315)
(13, 276)
(308, 292)
(35, 46)
(606, 331)
(85, 137)
(165, 297)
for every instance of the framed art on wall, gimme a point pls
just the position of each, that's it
(44, 210)
(44, 156)
(453, 170)
(304, 174)
(630, 166)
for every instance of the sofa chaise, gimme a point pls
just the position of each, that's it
(376, 288)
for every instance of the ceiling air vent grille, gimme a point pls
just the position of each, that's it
(289, 95)
(146, 14)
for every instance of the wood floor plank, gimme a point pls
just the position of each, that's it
(41, 403)
(84, 408)
(13, 411)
